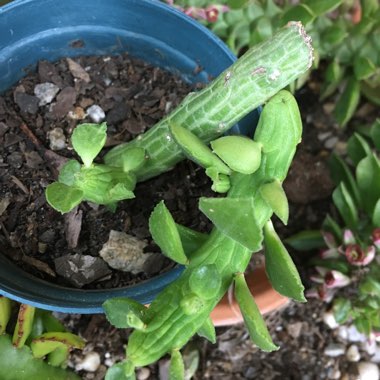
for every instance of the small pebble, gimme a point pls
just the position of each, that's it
(331, 142)
(96, 113)
(143, 373)
(15, 160)
(334, 374)
(46, 92)
(323, 136)
(353, 354)
(354, 335)
(90, 362)
(57, 139)
(368, 371)
(334, 350)
(376, 357)
(77, 114)
(329, 319)
(369, 346)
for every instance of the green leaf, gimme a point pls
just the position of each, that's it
(68, 171)
(363, 68)
(346, 206)
(329, 224)
(341, 265)
(299, 12)
(205, 281)
(164, 232)
(24, 325)
(119, 192)
(20, 364)
(133, 159)
(275, 196)
(118, 372)
(235, 218)
(322, 6)
(236, 4)
(376, 214)
(348, 102)
(363, 325)
(191, 240)
(333, 35)
(341, 173)
(279, 266)
(208, 331)
(177, 367)
(196, 149)
(88, 140)
(341, 309)
(120, 311)
(370, 286)
(252, 317)
(220, 182)
(375, 133)
(306, 240)
(241, 154)
(63, 198)
(357, 148)
(5, 313)
(368, 179)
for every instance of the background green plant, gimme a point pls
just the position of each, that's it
(347, 49)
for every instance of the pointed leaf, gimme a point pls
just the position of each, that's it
(341, 173)
(196, 149)
(368, 178)
(5, 313)
(205, 281)
(241, 154)
(177, 367)
(120, 192)
(299, 12)
(306, 240)
(24, 325)
(59, 357)
(191, 240)
(346, 206)
(235, 218)
(375, 133)
(208, 331)
(275, 196)
(252, 317)
(322, 6)
(348, 102)
(279, 266)
(164, 232)
(133, 159)
(363, 68)
(88, 140)
(63, 198)
(329, 224)
(357, 148)
(376, 214)
(119, 311)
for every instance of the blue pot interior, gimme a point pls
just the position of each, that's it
(31, 30)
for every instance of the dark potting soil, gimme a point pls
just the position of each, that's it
(37, 117)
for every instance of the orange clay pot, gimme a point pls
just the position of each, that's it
(227, 311)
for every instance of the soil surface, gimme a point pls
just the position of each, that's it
(37, 117)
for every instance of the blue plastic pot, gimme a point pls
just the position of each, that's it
(31, 30)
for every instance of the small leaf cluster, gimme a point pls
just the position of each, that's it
(38, 347)
(351, 259)
(97, 183)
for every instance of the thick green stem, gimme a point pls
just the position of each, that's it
(259, 74)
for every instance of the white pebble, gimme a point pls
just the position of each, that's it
(143, 373)
(353, 354)
(57, 139)
(96, 113)
(354, 335)
(329, 319)
(368, 371)
(376, 357)
(334, 374)
(331, 142)
(334, 350)
(369, 346)
(90, 362)
(46, 92)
